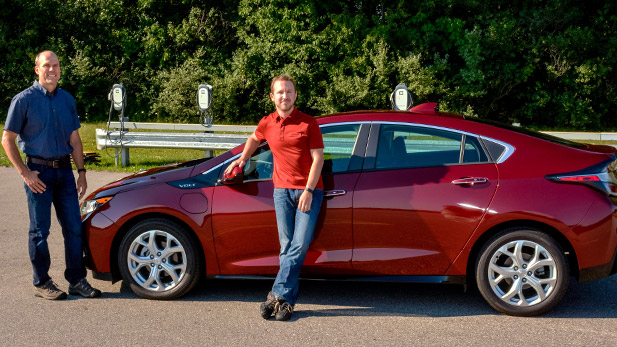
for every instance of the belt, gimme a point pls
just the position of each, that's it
(56, 164)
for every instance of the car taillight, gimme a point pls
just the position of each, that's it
(601, 177)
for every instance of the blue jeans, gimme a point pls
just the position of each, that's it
(61, 190)
(295, 235)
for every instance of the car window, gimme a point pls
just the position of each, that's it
(474, 152)
(339, 143)
(405, 146)
(260, 165)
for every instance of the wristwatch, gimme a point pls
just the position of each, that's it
(81, 170)
(309, 190)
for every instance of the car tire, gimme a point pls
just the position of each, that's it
(159, 260)
(522, 272)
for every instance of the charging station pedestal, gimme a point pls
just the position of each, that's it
(123, 158)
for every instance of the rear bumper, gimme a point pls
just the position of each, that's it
(597, 272)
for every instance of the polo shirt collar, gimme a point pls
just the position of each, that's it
(278, 118)
(42, 89)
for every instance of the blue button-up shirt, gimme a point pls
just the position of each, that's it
(44, 121)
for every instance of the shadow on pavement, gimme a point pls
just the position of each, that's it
(330, 298)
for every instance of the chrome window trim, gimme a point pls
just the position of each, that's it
(506, 154)
(428, 126)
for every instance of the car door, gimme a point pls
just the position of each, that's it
(244, 221)
(421, 195)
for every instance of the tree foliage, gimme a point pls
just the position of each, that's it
(548, 63)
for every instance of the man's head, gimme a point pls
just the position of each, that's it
(47, 67)
(283, 94)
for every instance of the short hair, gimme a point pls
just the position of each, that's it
(36, 60)
(282, 78)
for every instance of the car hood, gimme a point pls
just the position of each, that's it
(162, 174)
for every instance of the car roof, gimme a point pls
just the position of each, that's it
(428, 114)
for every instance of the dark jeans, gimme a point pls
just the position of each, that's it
(62, 192)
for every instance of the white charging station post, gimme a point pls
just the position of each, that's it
(117, 96)
(401, 98)
(204, 101)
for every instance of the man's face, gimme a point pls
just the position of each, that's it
(283, 95)
(48, 70)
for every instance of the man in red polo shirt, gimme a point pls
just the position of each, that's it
(297, 147)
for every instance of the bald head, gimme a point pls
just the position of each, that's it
(47, 67)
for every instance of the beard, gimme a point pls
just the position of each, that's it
(285, 107)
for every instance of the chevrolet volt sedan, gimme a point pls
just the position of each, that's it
(415, 196)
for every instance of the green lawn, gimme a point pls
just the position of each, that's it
(140, 158)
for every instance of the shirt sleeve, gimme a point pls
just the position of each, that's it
(315, 137)
(16, 116)
(261, 129)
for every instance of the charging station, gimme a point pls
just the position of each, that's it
(204, 101)
(117, 96)
(401, 98)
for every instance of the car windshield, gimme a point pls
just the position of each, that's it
(551, 138)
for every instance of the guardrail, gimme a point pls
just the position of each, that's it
(583, 136)
(216, 137)
(209, 138)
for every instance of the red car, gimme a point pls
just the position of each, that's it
(417, 195)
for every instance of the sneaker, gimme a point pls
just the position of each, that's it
(49, 291)
(283, 310)
(84, 289)
(266, 309)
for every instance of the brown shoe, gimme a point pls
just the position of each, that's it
(49, 291)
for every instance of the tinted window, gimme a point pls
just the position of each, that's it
(494, 149)
(402, 146)
(260, 165)
(339, 143)
(474, 153)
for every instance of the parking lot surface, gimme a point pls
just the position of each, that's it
(225, 312)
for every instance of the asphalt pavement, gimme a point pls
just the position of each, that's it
(225, 312)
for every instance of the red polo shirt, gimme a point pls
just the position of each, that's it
(291, 140)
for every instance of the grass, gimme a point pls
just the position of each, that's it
(144, 158)
(140, 158)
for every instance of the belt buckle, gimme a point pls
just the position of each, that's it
(55, 164)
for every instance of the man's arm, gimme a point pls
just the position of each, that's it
(304, 204)
(78, 158)
(31, 178)
(249, 148)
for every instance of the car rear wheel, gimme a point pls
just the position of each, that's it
(158, 260)
(522, 272)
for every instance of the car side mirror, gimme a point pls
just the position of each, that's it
(235, 177)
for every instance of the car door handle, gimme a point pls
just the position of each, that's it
(470, 181)
(333, 193)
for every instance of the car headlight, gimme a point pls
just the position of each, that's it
(89, 206)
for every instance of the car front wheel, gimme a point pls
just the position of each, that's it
(522, 272)
(159, 260)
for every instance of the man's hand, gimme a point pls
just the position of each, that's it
(306, 199)
(238, 162)
(82, 185)
(31, 178)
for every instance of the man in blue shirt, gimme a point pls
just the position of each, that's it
(43, 119)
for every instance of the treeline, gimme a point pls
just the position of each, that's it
(543, 63)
